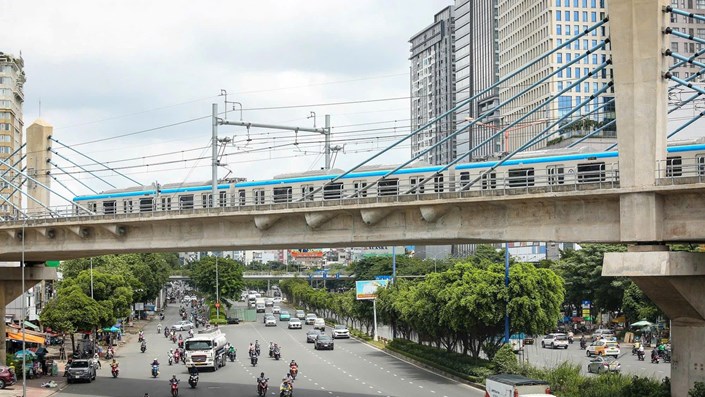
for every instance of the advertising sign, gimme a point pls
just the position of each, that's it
(367, 289)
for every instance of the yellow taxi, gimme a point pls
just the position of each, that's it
(603, 348)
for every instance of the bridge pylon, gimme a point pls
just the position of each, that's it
(672, 280)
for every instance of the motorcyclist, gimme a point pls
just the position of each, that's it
(144, 345)
(257, 347)
(159, 328)
(276, 350)
(190, 333)
(173, 380)
(141, 335)
(287, 385)
(114, 365)
(640, 351)
(251, 349)
(262, 383)
(231, 350)
(582, 341)
(155, 362)
(271, 349)
(654, 356)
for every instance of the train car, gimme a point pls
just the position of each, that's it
(538, 168)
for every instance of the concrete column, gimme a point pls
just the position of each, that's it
(636, 29)
(674, 281)
(38, 167)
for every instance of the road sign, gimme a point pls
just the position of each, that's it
(52, 263)
(337, 275)
(217, 305)
(383, 277)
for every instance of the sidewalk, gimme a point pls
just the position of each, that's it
(34, 386)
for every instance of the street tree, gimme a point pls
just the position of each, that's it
(72, 310)
(230, 281)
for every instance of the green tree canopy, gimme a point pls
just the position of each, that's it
(230, 281)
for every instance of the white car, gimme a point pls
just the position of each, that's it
(269, 302)
(319, 323)
(310, 318)
(270, 321)
(277, 300)
(294, 323)
(555, 341)
(183, 325)
(340, 331)
(276, 309)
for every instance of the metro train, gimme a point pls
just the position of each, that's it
(529, 169)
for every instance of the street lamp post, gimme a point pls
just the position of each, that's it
(217, 291)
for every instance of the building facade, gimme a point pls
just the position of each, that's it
(433, 88)
(526, 30)
(12, 79)
(476, 69)
(686, 47)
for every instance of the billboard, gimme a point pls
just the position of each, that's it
(367, 289)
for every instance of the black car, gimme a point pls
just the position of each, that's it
(233, 320)
(323, 342)
(312, 334)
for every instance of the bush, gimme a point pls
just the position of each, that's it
(698, 390)
(505, 361)
(475, 370)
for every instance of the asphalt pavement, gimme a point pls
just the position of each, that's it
(352, 369)
(549, 358)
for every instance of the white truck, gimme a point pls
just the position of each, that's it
(506, 385)
(260, 305)
(206, 349)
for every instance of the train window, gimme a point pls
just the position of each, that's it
(438, 183)
(307, 192)
(223, 197)
(388, 187)
(357, 185)
(242, 200)
(332, 191)
(92, 207)
(521, 177)
(127, 206)
(166, 203)
(186, 202)
(489, 180)
(674, 166)
(109, 207)
(591, 172)
(146, 204)
(259, 196)
(413, 181)
(700, 160)
(282, 194)
(556, 174)
(206, 200)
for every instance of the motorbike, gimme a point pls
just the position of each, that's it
(140, 338)
(109, 355)
(271, 352)
(286, 390)
(193, 380)
(253, 360)
(173, 338)
(115, 372)
(582, 345)
(161, 316)
(166, 332)
(155, 371)
(171, 361)
(667, 357)
(640, 355)
(257, 351)
(262, 387)
(174, 389)
(143, 347)
(277, 354)
(294, 371)
(181, 344)
(183, 358)
(231, 356)
(159, 329)
(654, 359)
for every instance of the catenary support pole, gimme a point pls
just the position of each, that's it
(327, 144)
(374, 315)
(214, 170)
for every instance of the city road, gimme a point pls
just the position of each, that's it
(352, 369)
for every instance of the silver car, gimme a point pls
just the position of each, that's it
(601, 365)
(294, 323)
(183, 325)
(81, 370)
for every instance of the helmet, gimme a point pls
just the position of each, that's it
(262, 374)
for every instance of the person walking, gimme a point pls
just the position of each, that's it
(62, 353)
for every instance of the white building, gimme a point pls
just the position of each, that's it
(12, 79)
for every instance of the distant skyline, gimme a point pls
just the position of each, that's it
(106, 71)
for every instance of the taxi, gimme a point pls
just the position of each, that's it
(603, 348)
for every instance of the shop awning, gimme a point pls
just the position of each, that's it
(27, 324)
(29, 338)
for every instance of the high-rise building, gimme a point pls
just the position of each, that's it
(12, 79)
(476, 69)
(433, 88)
(689, 26)
(528, 29)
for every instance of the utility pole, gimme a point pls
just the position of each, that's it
(326, 149)
(215, 156)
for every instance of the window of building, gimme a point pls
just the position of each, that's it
(576, 16)
(559, 29)
(558, 15)
(567, 16)
(593, 17)
(559, 57)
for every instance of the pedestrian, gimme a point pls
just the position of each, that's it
(62, 353)
(41, 356)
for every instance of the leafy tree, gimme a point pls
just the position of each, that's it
(582, 272)
(109, 290)
(505, 361)
(230, 281)
(637, 306)
(72, 310)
